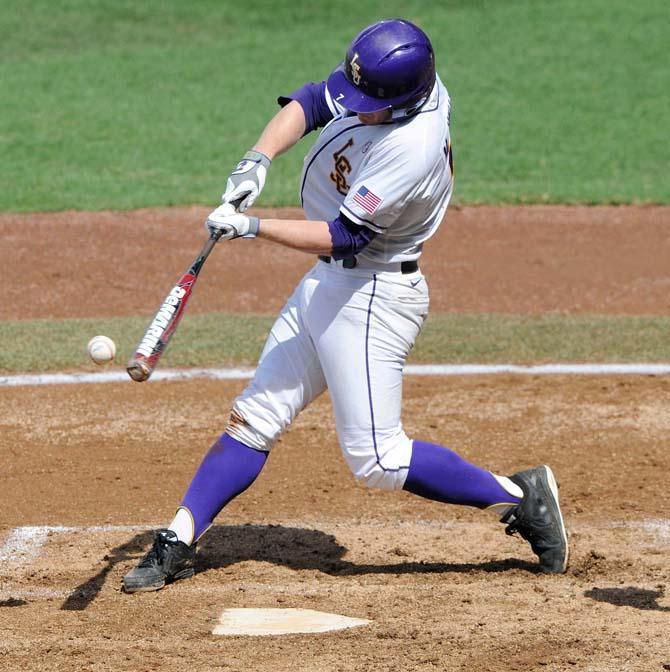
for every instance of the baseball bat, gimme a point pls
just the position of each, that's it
(162, 327)
(160, 330)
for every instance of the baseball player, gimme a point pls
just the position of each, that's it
(374, 187)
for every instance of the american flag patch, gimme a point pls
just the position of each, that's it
(367, 200)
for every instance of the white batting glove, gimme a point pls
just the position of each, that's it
(231, 224)
(247, 180)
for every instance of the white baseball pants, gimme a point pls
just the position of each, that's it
(348, 330)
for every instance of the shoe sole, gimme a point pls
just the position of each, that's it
(142, 588)
(152, 587)
(553, 486)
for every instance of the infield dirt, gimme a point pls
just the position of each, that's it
(444, 587)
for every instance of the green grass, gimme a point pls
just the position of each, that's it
(120, 104)
(227, 340)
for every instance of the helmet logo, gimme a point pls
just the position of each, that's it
(355, 69)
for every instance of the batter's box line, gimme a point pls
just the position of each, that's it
(659, 528)
(24, 544)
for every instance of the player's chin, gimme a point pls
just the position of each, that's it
(372, 118)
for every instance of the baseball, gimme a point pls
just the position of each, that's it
(101, 349)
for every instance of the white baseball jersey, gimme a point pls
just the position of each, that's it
(394, 178)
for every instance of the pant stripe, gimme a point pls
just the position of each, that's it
(367, 370)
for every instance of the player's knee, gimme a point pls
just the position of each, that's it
(382, 464)
(376, 476)
(252, 431)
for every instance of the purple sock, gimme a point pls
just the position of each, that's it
(438, 473)
(228, 469)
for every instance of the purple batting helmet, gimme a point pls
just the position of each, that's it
(388, 64)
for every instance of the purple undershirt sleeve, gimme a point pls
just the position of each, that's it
(312, 99)
(348, 238)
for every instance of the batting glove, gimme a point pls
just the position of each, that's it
(231, 224)
(247, 180)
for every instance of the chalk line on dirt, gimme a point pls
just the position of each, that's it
(24, 544)
(115, 376)
(32, 594)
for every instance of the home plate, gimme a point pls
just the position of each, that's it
(281, 622)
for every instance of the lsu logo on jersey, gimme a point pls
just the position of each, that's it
(342, 168)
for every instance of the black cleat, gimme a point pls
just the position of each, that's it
(168, 560)
(537, 518)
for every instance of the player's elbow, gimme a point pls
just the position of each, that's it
(348, 239)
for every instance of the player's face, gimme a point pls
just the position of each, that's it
(372, 118)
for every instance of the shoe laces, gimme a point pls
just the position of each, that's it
(514, 528)
(512, 522)
(515, 524)
(531, 531)
(158, 551)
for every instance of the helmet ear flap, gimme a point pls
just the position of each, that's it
(413, 106)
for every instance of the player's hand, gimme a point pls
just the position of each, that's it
(247, 180)
(231, 224)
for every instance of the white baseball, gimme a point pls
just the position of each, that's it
(101, 349)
